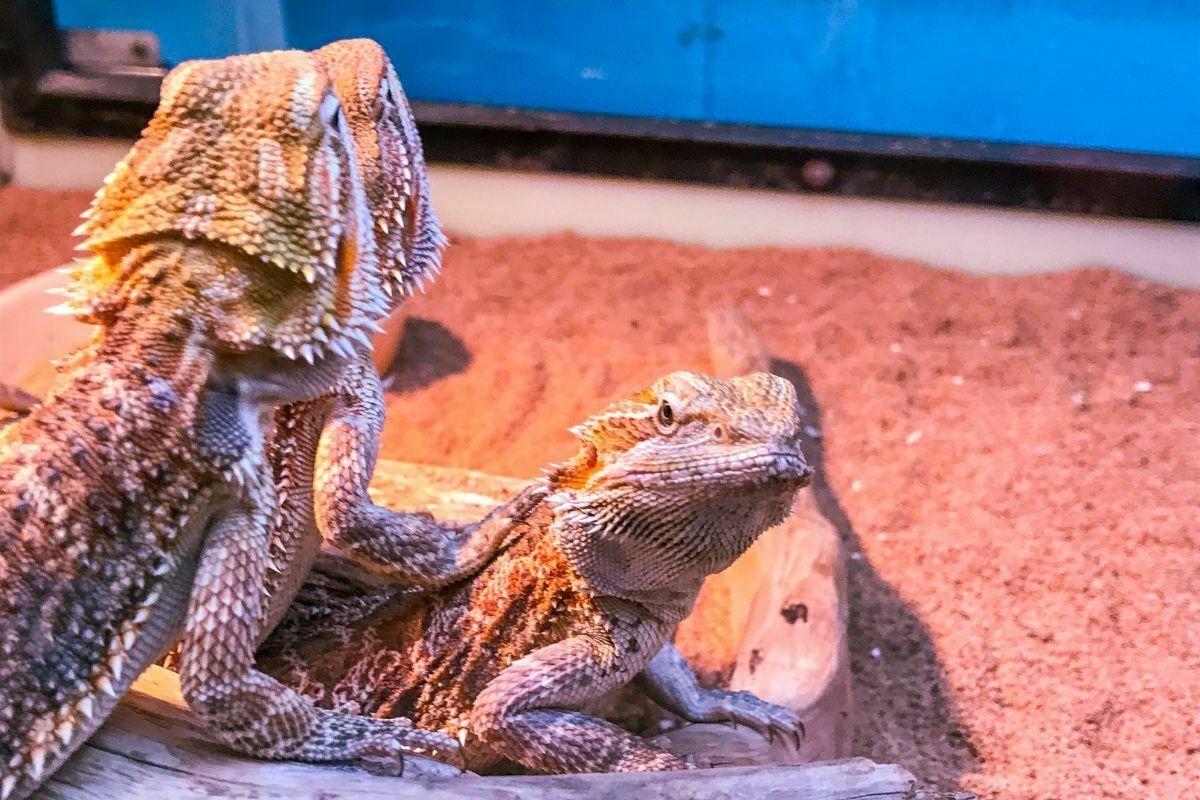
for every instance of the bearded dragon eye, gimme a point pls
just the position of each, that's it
(390, 89)
(666, 416)
(387, 99)
(331, 112)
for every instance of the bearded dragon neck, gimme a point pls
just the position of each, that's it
(595, 543)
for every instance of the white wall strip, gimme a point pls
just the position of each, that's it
(487, 202)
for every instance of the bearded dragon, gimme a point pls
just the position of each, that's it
(602, 558)
(322, 452)
(137, 502)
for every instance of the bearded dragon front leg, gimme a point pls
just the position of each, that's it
(412, 548)
(669, 681)
(523, 713)
(249, 711)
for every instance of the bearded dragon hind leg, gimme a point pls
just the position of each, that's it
(252, 712)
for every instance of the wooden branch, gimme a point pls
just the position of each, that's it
(151, 749)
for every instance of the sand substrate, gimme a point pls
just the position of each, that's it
(1014, 462)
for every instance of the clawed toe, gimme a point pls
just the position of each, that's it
(398, 738)
(770, 721)
(789, 730)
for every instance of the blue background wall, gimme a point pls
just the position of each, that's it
(1106, 74)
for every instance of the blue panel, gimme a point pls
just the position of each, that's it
(1120, 74)
(620, 56)
(185, 28)
(1108, 74)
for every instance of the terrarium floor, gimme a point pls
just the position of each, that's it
(1015, 459)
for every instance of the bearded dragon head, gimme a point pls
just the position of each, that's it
(391, 160)
(253, 158)
(675, 483)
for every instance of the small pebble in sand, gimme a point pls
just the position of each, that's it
(913, 437)
(856, 556)
(894, 347)
(811, 432)
(876, 652)
(856, 486)
(764, 291)
(957, 380)
(1141, 387)
(1079, 399)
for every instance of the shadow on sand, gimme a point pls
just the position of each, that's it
(428, 352)
(905, 711)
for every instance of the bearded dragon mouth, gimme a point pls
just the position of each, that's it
(780, 466)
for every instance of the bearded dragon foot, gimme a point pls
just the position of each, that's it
(670, 682)
(343, 737)
(260, 717)
(770, 720)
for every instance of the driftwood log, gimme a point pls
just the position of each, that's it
(150, 749)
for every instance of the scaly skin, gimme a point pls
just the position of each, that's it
(602, 559)
(323, 452)
(136, 501)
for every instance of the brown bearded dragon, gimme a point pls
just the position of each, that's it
(137, 506)
(322, 452)
(604, 557)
